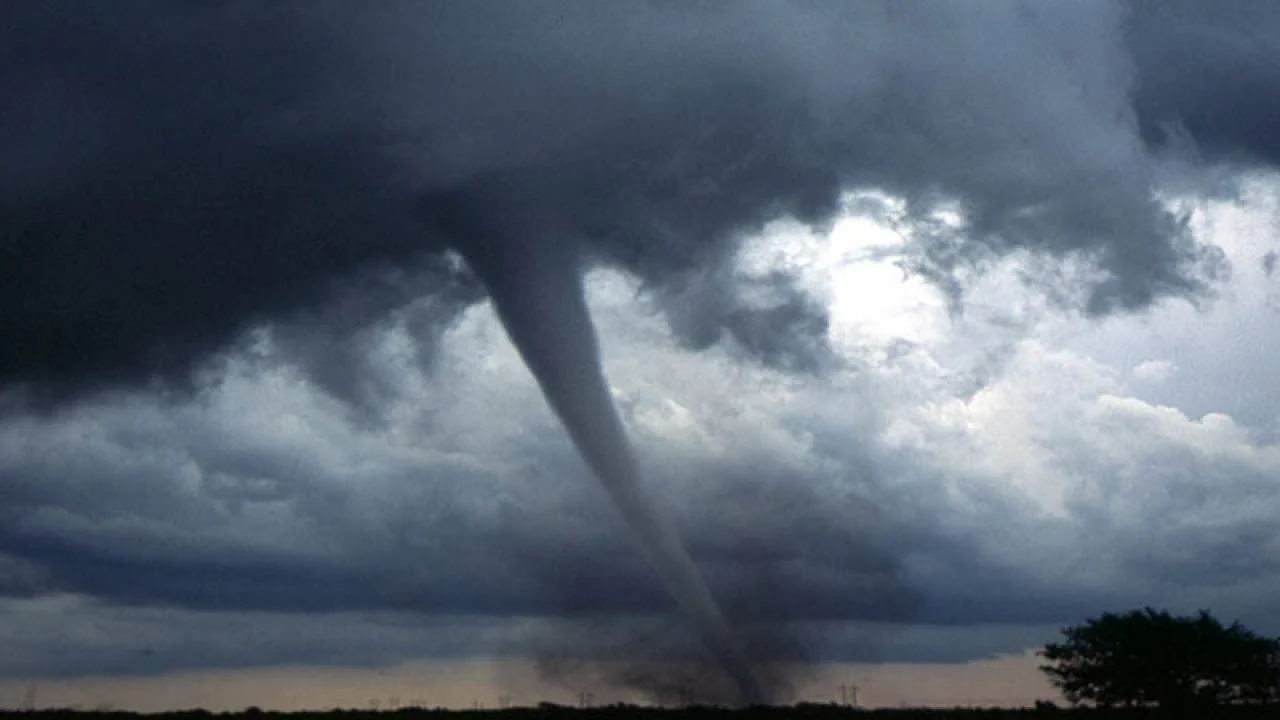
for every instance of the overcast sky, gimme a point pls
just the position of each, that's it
(935, 327)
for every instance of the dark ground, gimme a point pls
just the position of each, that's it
(625, 712)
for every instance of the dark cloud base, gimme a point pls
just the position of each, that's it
(181, 173)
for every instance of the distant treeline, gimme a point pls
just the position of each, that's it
(546, 711)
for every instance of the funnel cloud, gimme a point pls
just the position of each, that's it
(536, 289)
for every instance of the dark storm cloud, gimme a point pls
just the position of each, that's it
(769, 317)
(164, 198)
(177, 173)
(331, 341)
(1211, 70)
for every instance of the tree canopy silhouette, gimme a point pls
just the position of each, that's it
(1150, 658)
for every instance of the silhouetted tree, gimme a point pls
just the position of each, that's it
(1145, 658)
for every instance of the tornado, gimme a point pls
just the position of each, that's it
(537, 291)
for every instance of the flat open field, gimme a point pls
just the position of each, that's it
(621, 712)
